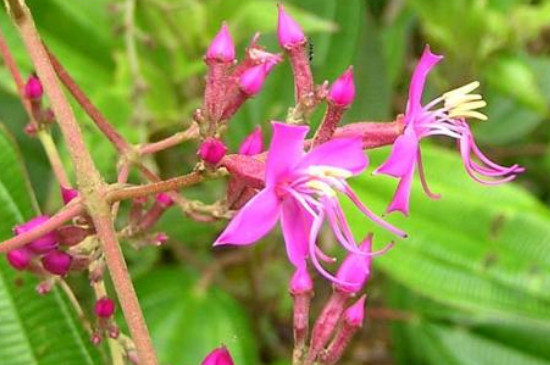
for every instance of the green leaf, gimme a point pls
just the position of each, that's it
(187, 322)
(42, 330)
(478, 248)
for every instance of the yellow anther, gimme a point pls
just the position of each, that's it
(468, 114)
(460, 99)
(463, 90)
(321, 187)
(328, 171)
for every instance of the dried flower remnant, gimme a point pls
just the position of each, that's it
(449, 119)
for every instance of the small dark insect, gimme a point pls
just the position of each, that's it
(310, 49)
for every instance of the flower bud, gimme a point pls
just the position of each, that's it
(71, 235)
(104, 307)
(164, 200)
(19, 258)
(221, 48)
(355, 314)
(252, 80)
(253, 144)
(33, 88)
(355, 269)
(95, 339)
(57, 262)
(289, 32)
(342, 91)
(42, 244)
(219, 356)
(301, 282)
(212, 150)
(160, 238)
(68, 194)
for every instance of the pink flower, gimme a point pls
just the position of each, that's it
(300, 191)
(449, 119)
(68, 194)
(221, 48)
(253, 144)
(19, 258)
(289, 32)
(219, 356)
(342, 91)
(355, 314)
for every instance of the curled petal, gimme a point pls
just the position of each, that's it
(253, 221)
(403, 155)
(427, 61)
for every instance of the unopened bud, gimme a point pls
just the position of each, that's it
(33, 88)
(19, 258)
(253, 144)
(71, 235)
(104, 307)
(57, 262)
(289, 32)
(252, 80)
(68, 194)
(301, 282)
(96, 338)
(355, 314)
(164, 200)
(42, 244)
(212, 150)
(219, 356)
(342, 91)
(221, 48)
(355, 269)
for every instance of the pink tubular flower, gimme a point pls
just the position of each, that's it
(289, 32)
(342, 91)
(164, 200)
(42, 244)
(449, 119)
(300, 191)
(253, 144)
(221, 48)
(219, 356)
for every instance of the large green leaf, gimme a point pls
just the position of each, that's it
(42, 330)
(479, 248)
(438, 334)
(187, 322)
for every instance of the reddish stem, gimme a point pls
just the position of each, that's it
(154, 147)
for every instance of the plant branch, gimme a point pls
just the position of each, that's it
(90, 183)
(169, 142)
(97, 117)
(175, 183)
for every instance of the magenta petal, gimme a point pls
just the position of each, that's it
(286, 149)
(403, 155)
(416, 88)
(253, 221)
(296, 225)
(343, 153)
(401, 198)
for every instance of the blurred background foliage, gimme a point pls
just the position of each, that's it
(471, 285)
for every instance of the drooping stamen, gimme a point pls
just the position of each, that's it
(423, 180)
